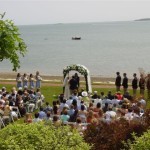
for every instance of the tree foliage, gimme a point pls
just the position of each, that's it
(11, 44)
(38, 136)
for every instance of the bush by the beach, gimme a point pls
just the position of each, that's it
(40, 137)
(112, 136)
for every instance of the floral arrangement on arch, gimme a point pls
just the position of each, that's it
(78, 68)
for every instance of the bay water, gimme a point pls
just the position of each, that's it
(104, 48)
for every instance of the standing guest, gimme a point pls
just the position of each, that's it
(134, 84)
(125, 83)
(19, 80)
(31, 81)
(38, 79)
(142, 84)
(77, 79)
(25, 80)
(148, 87)
(118, 81)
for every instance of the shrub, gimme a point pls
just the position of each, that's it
(111, 136)
(141, 143)
(40, 137)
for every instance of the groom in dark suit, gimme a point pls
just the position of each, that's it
(73, 84)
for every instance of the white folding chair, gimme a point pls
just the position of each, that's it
(1, 122)
(16, 109)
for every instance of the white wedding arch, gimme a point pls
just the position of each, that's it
(83, 71)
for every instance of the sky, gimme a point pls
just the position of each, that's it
(28, 12)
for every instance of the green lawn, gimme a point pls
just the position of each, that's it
(50, 91)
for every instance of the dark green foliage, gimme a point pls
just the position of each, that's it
(11, 45)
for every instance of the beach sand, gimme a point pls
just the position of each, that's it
(102, 82)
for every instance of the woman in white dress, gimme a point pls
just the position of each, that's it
(25, 80)
(66, 88)
(38, 80)
(19, 80)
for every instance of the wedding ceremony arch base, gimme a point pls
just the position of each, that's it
(83, 71)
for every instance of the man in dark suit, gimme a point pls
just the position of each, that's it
(125, 83)
(77, 78)
(134, 84)
(73, 84)
(118, 81)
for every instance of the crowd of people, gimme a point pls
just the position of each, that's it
(143, 82)
(83, 108)
(80, 107)
(19, 102)
(31, 81)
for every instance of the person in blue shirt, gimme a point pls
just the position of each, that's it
(42, 114)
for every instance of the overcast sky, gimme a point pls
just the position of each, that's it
(72, 11)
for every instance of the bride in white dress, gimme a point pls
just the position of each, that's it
(66, 88)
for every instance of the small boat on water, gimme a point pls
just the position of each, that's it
(76, 38)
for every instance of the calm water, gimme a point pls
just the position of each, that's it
(104, 48)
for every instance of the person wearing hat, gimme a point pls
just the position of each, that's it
(125, 83)
(118, 81)
(134, 84)
(85, 97)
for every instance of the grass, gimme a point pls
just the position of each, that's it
(50, 91)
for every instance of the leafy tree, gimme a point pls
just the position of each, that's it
(37, 136)
(11, 44)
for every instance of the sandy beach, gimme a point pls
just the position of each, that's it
(102, 82)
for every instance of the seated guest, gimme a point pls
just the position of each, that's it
(95, 95)
(56, 121)
(28, 118)
(65, 117)
(42, 114)
(48, 118)
(90, 117)
(111, 113)
(36, 118)
(82, 114)
(48, 108)
(74, 116)
(78, 125)
(71, 110)
(102, 96)
(119, 95)
(110, 96)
